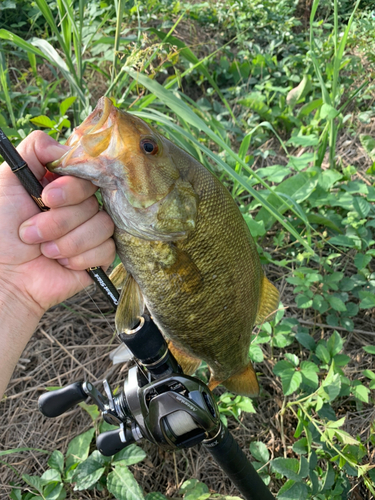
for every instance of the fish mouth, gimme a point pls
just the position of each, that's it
(90, 139)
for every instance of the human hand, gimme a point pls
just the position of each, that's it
(43, 255)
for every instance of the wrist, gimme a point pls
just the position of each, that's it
(18, 320)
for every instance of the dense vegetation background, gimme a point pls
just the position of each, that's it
(276, 97)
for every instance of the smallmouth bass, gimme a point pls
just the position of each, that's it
(186, 251)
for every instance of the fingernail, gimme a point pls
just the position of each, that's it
(30, 234)
(50, 249)
(63, 262)
(55, 196)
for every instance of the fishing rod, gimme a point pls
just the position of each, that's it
(157, 402)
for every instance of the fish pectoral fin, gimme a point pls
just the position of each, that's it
(183, 273)
(118, 276)
(188, 363)
(244, 383)
(130, 306)
(268, 303)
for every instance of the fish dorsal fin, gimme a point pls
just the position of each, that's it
(268, 303)
(130, 306)
(244, 383)
(118, 276)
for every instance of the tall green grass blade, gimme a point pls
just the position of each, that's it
(119, 15)
(52, 55)
(189, 55)
(234, 175)
(5, 86)
(44, 8)
(65, 25)
(46, 51)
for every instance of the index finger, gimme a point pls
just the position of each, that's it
(37, 149)
(65, 191)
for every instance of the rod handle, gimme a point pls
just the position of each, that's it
(232, 460)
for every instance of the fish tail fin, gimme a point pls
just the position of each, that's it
(268, 303)
(188, 363)
(244, 383)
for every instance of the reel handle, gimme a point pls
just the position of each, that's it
(55, 403)
(111, 442)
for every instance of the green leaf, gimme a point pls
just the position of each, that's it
(51, 476)
(292, 358)
(303, 301)
(246, 405)
(309, 374)
(343, 241)
(256, 353)
(54, 492)
(293, 491)
(361, 261)
(333, 387)
(323, 353)
(155, 496)
(328, 178)
(369, 374)
(310, 107)
(328, 112)
(259, 451)
(43, 121)
(288, 467)
(297, 188)
(306, 340)
(33, 481)
(130, 455)
(281, 367)
(367, 300)
(304, 140)
(121, 483)
(336, 303)
(78, 448)
(301, 446)
(65, 105)
(298, 92)
(361, 206)
(291, 380)
(335, 344)
(87, 474)
(256, 227)
(368, 144)
(56, 461)
(92, 410)
(361, 392)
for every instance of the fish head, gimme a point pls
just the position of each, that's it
(136, 169)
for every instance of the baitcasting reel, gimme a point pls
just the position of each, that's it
(161, 404)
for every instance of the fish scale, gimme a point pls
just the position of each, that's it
(185, 247)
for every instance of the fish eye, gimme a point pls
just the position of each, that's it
(149, 146)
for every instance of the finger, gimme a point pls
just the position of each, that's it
(103, 256)
(37, 149)
(58, 222)
(89, 235)
(66, 191)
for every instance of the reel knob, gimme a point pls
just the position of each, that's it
(111, 442)
(55, 403)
